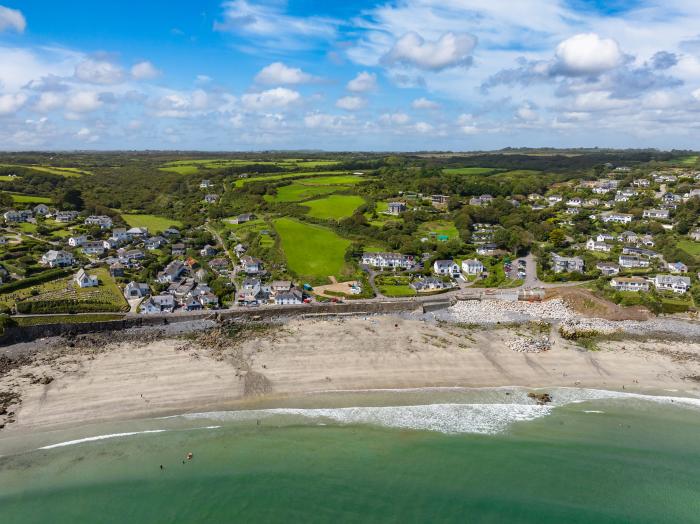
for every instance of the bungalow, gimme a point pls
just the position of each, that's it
(191, 303)
(93, 248)
(658, 214)
(149, 307)
(472, 267)
(562, 264)
(208, 251)
(629, 284)
(111, 243)
(620, 218)
(211, 198)
(132, 254)
(554, 199)
(137, 232)
(77, 241)
(632, 261)
(136, 290)
(677, 267)
(84, 280)
(673, 283)
(205, 184)
(172, 272)
(99, 220)
(17, 216)
(218, 264)
(594, 245)
(41, 209)
(280, 286)
(488, 250)
(241, 219)
(628, 237)
(639, 251)
(572, 211)
(251, 265)
(178, 249)
(388, 260)
(396, 208)
(605, 237)
(446, 267)
(428, 284)
(641, 182)
(291, 297)
(120, 234)
(171, 232)
(54, 258)
(574, 202)
(180, 289)
(671, 199)
(66, 216)
(608, 268)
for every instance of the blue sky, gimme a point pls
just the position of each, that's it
(394, 75)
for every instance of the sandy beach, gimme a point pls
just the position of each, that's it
(90, 382)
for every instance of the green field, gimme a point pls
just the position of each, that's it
(395, 286)
(313, 187)
(283, 176)
(27, 227)
(29, 199)
(439, 228)
(334, 207)
(312, 252)
(181, 170)
(191, 167)
(689, 160)
(154, 223)
(62, 171)
(468, 170)
(690, 247)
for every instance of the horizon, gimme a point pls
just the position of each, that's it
(366, 76)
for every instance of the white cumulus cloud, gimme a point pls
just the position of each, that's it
(99, 72)
(12, 19)
(588, 54)
(278, 97)
(279, 73)
(11, 103)
(144, 71)
(363, 82)
(351, 103)
(84, 102)
(424, 103)
(450, 50)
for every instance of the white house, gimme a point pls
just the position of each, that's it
(472, 267)
(136, 290)
(55, 258)
(251, 265)
(594, 245)
(77, 241)
(84, 280)
(657, 214)
(99, 220)
(388, 260)
(41, 209)
(605, 237)
(562, 264)
(608, 268)
(287, 298)
(632, 261)
(673, 283)
(93, 248)
(620, 218)
(629, 284)
(677, 267)
(446, 267)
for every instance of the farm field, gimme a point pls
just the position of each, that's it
(334, 207)
(469, 170)
(154, 223)
(190, 167)
(29, 199)
(313, 187)
(62, 171)
(313, 252)
(283, 176)
(690, 247)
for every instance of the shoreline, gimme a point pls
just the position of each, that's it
(65, 383)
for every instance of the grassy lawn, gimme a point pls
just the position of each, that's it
(468, 170)
(154, 223)
(440, 228)
(67, 319)
(26, 227)
(334, 207)
(395, 286)
(690, 247)
(297, 192)
(312, 252)
(29, 199)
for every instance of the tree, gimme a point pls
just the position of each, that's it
(557, 237)
(71, 199)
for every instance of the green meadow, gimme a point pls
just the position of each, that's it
(154, 223)
(305, 189)
(62, 171)
(313, 252)
(334, 207)
(690, 247)
(440, 228)
(468, 170)
(29, 199)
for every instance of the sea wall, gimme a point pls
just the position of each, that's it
(15, 334)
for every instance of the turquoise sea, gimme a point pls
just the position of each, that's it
(435, 456)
